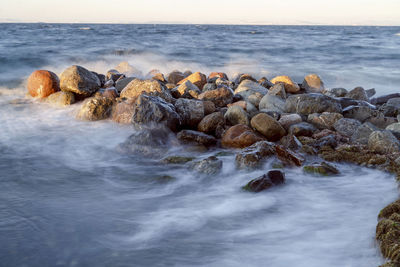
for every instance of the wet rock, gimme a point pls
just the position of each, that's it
(251, 91)
(240, 136)
(381, 121)
(189, 136)
(61, 99)
(197, 78)
(210, 165)
(186, 90)
(211, 122)
(267, 126)
(360, 113)
(336, 92)
(152, 87)
(123, 111)
(326, 120)
(302, 129)
(290, 86)
(272, 103)
(80, 81)
(346, 127)
(221, 96)
(323, 168)
(154, 110)
(95, 108)
(358, 93)
(122, 83)
(287, 120)
(289, 157)
(190, 111)
(278, 90)
(383, 142)
(306, 104)
(361, 135)
(42, 83)
(253, 156)
(266, 181)
(264, 82)
(236, 115)
(177, 160)
(313, 84)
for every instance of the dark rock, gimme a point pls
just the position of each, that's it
(209, 87)
(287, 120)
(210, 123)
(288, 156)
(264, 82)
(175, 77)
(358, 93)
(122, 83)
(266, 181)
(380, 121)
(336, 92)
(326, 120)
(347, 127)
(323, 168)
(361, 135)
(268, 126)
(190, 111)
(291, 142)
(306, 104)
(113, 75)
(253, 156)
(360, 113)
(383, 99)
(80, 81)
(370, 92)
(189, 136)
(240, 136)
(61, 99)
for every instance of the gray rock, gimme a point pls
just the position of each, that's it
(381, 121)
(209, 87)
(210, 165)
(336, 92)
(274, 114)
(95, 108)
(268, 126)
(80, 81)
(236, 115)
(346, 127)
(383, 142)
(278, 90)
(358, 93)
(363, 132)
(313, 84)
(251, 91)
(211, 122)
(394, 128)
(289, 119)
(302, 129)
(150, 110)
(254, 155)
(383, 99)
(190, 111)
(291, 142)
(395, 102)
(389, 110)
(360, 113)
(122, 83)
(61, 99)
(189, 136)
(347, 102)
(326, 120)
(264, 82)
(223, 82)
(113, 75)
(272, 103)
(311, 103)
(370, 92)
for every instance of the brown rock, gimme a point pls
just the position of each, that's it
(175, 77)
(136, 87)
(221, 96)
(268, 127)
(210, 123)
(95, 108)
(189, 136)
(43, 83)
(61, 99)
(254, 155)
(240, 136)
(290, 86)
(209, 107)
(218, 74)
(110, 92)
(288, 156)
(312, 83)
(197, 78)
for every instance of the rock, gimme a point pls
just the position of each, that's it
(268, 126)
(189, 136)
(394, 128)
(266, 181)
(360, 113)
(253, 156)
(370, 92)
(123, 111)
(236, 115)
(218, 74)
(221, 96)
(358, 93)
(176, 160)
(278, 90)
(122, 83)
(113, 75)
(42, 83)
(210, 165)
(290, 86)
(102, 78)
(380, 121)
(241, 103)
(190, 111)
(152, 87)
(223, 82)
(272, 103)
(306, 104)
(154, 110)
(110, 92)
(394, 102)
(197, 78)
(156, 74)
(383, 142)
(186, 90)
(209, 107)
(210, 123)
(264, 82)
(336, 92)
(326, 120)
(302, 129)
(240, 136)
(312, 83)
(287, 120)
(95, 108)
(251, 91)
(175, 77)
(127, 69)
(79, 80)
(322, 168)
(347, 127)
(209, 87)
(274, 114)
(383, 99)
(291, 142)
(242, 77)
(388, 110)
(61, 99)
(289, 157)
(361, 135)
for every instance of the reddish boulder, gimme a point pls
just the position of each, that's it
(43, 83)
(240, 136)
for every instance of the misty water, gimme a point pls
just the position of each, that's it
(69, 197)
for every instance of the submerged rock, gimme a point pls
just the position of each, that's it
(80, 81)
(95, 108)
(210, 165)
(42, 83)
(240, 136)
(266, 181)
(253, 156)
(323, 168)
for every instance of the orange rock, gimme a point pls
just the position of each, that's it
(197, 78)
(43, 83)
(218, 74)
(290, 86)
(240, 136)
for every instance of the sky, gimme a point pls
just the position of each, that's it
(298, 12)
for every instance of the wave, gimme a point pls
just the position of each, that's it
(85, 28)
(397, 34)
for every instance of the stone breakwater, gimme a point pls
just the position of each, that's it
(300, 125)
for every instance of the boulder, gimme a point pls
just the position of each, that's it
(370, 92)
(209, 87)
(123, 111)
(266, 181)
(360, 113)
(42, 83)
(336, 92)
(272, 103)
(323, 168)
(347, 127)
(175, 77)
(211, 122)
(156, 74)
(189, 136)
(268, 126)
(289, 119)
(361, 135)
(80, 81)
(313, 84)
(242, 77)
(197, 78)
(326, 120)
(240, 136)
(383, 142)
(288, 157)
(110, 92)
(95, 108)
(61, 99)
(186, 90)
(113, 75)
(290, 141)
(278, 90)
(210, 165)
(223, 82)
(253, 156)
(122, 83)
(302, 129)
(190, 111)
(152, 87)
(221, 96)
(251, 91)
(358, 93)
(150, 110)
(290, 86)
(236, 115)
(306, 104)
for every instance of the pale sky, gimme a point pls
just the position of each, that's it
(336, 12)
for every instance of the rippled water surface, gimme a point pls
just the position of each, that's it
(69, 198)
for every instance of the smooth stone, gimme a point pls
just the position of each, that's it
(266, 181)
(240, 136)
(190, 111)
(347, 127)
(290, 86)
(273, 103)
(253, 156)
(80, 81)
(95, 108)
(42, 83)
(383, 142)
(306, 104)
(236, 115)
(211, 122)
(186, 90)
(268, 126)
(221, 96)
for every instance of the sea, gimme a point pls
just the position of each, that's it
(69, 197)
